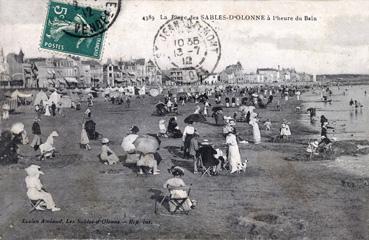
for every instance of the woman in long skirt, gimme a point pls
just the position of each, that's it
(47, 110)
(84, 139)
(255, 131)
(234, 156)
(188, 134)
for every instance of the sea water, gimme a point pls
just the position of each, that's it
(349, 122)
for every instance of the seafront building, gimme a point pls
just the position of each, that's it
(17, 71)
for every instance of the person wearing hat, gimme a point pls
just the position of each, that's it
(84, 143)
(188, 134)
(312, 147)
(255, 130)
(173, 129)
(285, 131)
(325, 128)
(177, 188)
(234, 156)
(36, 131)
(35, 190)
(107, 156)
(47, 149)
(323, 120)
(193, 151)
(207, 153)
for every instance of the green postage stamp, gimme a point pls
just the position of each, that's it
(73, 29)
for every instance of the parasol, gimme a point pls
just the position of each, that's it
(160, 105)
(195, 118)
(154, 92)
(17, 128)
(216, 108)
(146, 144)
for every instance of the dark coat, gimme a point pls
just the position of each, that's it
(36, 129)
(207, 155)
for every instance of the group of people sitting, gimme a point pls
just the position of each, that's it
(206, 156)
(172, 130)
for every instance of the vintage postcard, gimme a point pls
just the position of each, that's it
(128, 119)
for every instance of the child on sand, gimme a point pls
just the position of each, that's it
(268, 125)
(107, 155)
(162, 129)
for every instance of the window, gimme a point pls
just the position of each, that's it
(110, 75)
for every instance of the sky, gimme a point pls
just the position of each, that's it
(338, 42)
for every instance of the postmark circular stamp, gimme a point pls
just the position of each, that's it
(91, 17)
(186, 50)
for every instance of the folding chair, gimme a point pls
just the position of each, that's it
(37, 205)
(207, 171)
(177, 202)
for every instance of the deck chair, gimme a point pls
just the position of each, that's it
(38, 205)
(178, 203)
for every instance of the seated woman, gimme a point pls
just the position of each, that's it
(47, 149)
(107, 156)
(90, 127)
(129, 147)
(35, 189)
(148, 160)
(173, 129)
(177, 189)
(207, 153)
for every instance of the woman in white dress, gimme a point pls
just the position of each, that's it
(206, 106)
(47, 149)
(47, 110)
(107, 155)
(255, 130)
(234, 156)
(35, 190)
(285, 130)
(197, 110)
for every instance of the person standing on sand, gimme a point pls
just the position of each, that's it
(36, 130)
(84, 143)
(234, 156)
(53, 109)
(47, 110)
(323, 120)
(255, 130)
(285, 130)
(188, 134)
(194, 147)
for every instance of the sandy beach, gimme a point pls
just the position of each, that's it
(273, 199)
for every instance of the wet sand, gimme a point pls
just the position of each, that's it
(274, 199)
